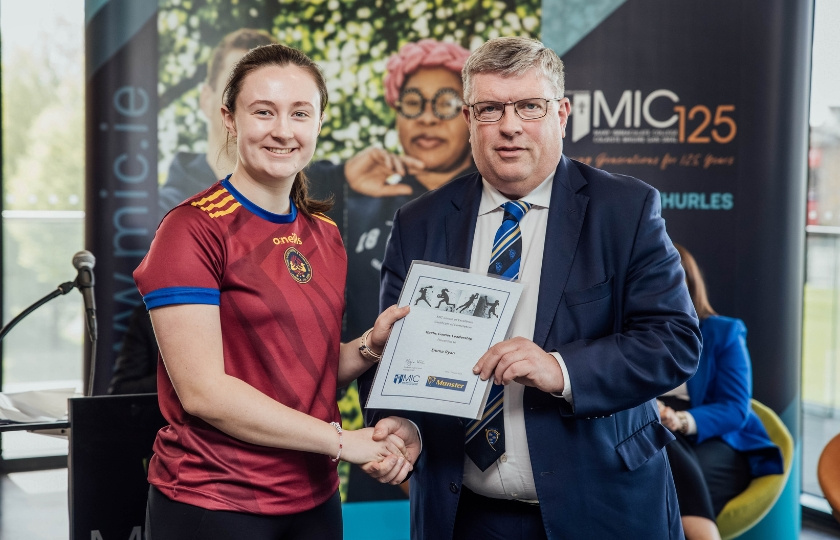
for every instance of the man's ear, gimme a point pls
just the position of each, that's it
(466, 112)
(564, 109)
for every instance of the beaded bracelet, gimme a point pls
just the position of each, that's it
(337, 427)
(367, 352)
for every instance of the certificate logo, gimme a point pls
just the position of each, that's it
(404, 378)
(446, 384)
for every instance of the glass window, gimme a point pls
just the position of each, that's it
(43, 200)
(821, 332)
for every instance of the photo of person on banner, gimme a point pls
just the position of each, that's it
(191, 172)
(423, 85)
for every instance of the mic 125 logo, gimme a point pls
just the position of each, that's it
(657, 117)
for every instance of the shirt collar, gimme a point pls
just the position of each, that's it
(492, 198)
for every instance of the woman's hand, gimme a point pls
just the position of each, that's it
(395, 471)
(370, 172)
(669, 417)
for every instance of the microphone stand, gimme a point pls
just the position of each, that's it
(62, 289)
(91, 378)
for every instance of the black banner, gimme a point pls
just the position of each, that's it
(121, 214)
(708, 102)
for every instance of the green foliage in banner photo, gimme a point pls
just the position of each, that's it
(350, 39)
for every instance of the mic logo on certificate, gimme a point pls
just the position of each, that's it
(402, 378)
(455, 317)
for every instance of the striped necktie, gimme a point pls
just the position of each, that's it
(485, 441)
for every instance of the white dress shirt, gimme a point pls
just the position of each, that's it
(511, 476)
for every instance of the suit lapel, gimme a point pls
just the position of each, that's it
(460, 223)
(565, 220)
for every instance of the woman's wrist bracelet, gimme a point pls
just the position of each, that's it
(337, 427)
(366, 352)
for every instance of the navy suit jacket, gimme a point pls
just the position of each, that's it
(614, 304)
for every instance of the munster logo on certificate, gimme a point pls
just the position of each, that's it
(455, 317)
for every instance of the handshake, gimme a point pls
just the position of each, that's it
(386, 452)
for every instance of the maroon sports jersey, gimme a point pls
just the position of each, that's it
(279, 283)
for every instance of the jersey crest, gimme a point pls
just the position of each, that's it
(299, 267)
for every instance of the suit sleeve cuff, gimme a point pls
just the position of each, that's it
(419, 437)
(567, 388)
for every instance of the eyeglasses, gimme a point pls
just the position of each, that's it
(526, 109)
(446, 103)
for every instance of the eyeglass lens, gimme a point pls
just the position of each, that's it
(446, 104)
(527, 109)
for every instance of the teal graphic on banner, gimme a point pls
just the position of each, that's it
(565, 23)
(129, 19)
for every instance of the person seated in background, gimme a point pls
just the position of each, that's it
(721, 444)
(135, 369)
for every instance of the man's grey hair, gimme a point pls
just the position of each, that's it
(511, 56)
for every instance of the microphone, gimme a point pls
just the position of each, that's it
(84, 261)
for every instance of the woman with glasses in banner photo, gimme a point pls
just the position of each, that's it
(423, 85)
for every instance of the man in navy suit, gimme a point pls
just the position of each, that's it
(604, 326)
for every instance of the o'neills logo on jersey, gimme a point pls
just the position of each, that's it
(298, 266)
(291, 239)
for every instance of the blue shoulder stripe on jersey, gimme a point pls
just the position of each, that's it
(181, 295)
(254, 209)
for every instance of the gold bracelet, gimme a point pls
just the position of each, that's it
(367, 352)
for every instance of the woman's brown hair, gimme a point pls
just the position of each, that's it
(278, 54)
(696, 285)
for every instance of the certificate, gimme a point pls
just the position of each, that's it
(427, 362)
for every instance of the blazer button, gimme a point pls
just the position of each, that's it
(453, 487)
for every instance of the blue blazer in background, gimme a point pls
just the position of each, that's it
(720, 393)
(613, 303)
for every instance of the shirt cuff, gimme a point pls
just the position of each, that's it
(567, 383)
(419, 436)
(692, 424)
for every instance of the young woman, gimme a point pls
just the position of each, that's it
(245, 287)
(721, 444)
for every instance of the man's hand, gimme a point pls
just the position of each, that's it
(395, 469)
(521, 360)
(369, 172)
